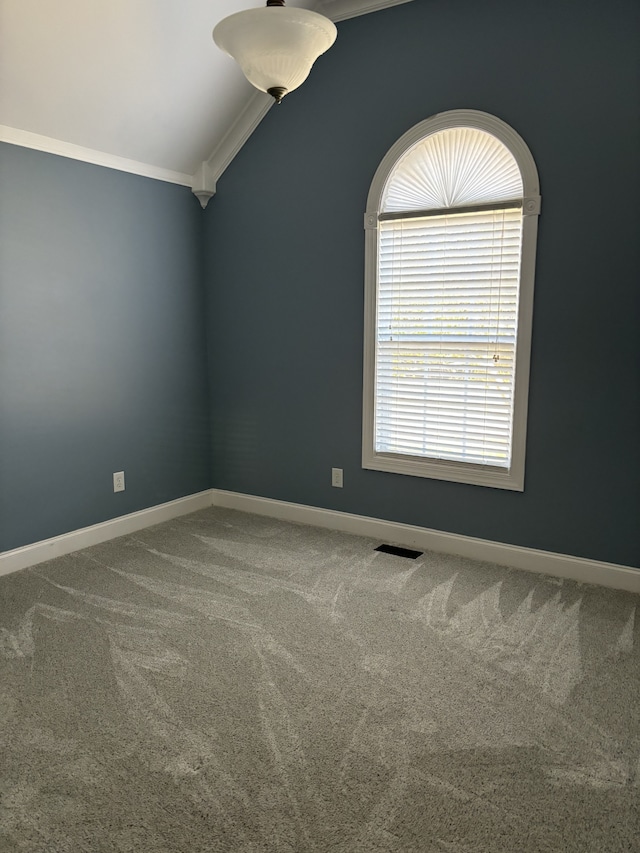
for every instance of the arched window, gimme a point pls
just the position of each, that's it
(451, 227)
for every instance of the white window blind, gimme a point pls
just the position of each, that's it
(456, 167)
(446, 334)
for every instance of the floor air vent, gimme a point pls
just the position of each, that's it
(399, 552)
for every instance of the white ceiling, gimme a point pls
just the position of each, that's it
(135, 80)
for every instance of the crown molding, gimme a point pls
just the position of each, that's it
(242, 128)
(26, 139)
(340, 10)
(204, 180)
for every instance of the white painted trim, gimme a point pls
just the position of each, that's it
(242, 128)
(340, 10)
(203, 186)
(457, 118)
(26, 139)
(424, 539)
(76, 540)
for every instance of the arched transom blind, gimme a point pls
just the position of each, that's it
(453, 168)
(450, 235)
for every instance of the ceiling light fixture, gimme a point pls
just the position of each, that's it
(275, 46)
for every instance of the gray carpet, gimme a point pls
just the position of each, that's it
(226, 682)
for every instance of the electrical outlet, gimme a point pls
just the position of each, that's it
(336, 477)
(118, 481)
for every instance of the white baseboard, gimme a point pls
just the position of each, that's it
(47, 549)
(424, 539)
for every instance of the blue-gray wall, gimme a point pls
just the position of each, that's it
(102, 345)
(103, 358)
(284, 268)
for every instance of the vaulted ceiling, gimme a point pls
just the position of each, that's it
(138, 86)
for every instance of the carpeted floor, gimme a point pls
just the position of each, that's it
(226, 682)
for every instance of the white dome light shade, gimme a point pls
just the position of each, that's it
(275, 46)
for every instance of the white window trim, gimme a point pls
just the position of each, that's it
(457, 472)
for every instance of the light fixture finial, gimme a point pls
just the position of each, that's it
(277, 93)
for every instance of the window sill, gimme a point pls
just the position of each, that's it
(454, 472)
